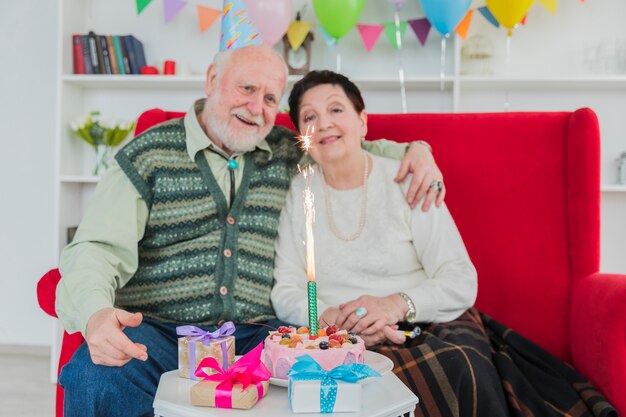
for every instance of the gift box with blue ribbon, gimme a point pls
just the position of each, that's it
(197, 344)
(314, 390)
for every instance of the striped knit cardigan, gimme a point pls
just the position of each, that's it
(199, 260)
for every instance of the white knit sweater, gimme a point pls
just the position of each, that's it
(400, 250)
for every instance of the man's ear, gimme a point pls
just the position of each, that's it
(211, 76)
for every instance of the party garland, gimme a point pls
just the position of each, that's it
(338, 17)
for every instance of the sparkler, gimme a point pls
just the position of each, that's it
(309, 210)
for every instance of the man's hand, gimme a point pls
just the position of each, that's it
(108, 345)
(419, 161)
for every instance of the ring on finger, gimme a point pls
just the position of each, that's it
(361, 312)
(436, 185)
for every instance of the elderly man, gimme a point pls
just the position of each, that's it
(181, 230)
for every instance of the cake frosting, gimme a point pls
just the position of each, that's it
(330, 349)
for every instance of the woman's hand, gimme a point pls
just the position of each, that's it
(387, 334)
(328, 317)
(379, 312)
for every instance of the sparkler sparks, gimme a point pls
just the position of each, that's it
(306, 139)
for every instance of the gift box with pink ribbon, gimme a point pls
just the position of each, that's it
(197, 344)
(241, 386)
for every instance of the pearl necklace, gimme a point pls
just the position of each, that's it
(363, 216)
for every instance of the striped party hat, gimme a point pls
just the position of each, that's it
(238, 30)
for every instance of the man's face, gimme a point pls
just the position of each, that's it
(243, 98)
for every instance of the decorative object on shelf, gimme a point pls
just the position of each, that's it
(621, 169)
(103, 136)
(297, 46)
(477, 56)
(169, 67)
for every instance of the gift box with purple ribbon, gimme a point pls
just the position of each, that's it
(197, 344)
(240, 386)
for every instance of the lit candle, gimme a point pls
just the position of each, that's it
(309, 210)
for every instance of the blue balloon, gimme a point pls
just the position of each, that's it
(445, 15)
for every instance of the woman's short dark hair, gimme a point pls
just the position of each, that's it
(315, 78)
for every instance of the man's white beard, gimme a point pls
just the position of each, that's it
(242, 142)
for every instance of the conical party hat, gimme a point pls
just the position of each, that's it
(238, 30)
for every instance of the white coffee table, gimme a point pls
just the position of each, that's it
(385, 396)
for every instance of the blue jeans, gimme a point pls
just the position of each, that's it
(129, 390)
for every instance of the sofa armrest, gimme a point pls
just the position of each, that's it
(46, 291)
(598, 333)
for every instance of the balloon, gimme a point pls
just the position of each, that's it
(445, 15)
(271, 17)
(509, 12)
(337, 17)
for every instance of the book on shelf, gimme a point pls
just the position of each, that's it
(112, 57)
(77, 54)
(93, 52)
(120, 40)
(107, 54)
(119, 54)
(103, 53)
(86, 54)
(130, 50)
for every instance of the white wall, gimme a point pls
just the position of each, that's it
(28, 44)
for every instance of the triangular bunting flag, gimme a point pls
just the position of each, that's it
(390, 32)
(490, 17)
(550, 5)
(421, 27)
(463, 26)
(296, 33)
(523, 22)
(328, 38)
(141, 4)
(370, 35)
(171, 8)
(206, 17)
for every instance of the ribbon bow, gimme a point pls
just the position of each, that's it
(246, 371)
(306, 368)
(206, 337)
(197, 333)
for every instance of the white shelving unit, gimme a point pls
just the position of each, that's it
(535, 80)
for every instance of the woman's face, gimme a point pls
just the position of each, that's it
(338, 128)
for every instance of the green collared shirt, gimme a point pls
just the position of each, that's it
(104, 254)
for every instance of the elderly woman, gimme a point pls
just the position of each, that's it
(379, 263)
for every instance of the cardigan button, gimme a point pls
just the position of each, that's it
(223, 290)
(230, 220)
(227, 253)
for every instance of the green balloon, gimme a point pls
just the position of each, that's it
(338, 16)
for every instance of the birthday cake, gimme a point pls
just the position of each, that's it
(330, 349)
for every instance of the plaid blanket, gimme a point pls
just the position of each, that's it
(475, 366)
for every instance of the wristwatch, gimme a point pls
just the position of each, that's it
(411, 314)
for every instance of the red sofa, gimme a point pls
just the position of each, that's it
(524, 191)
